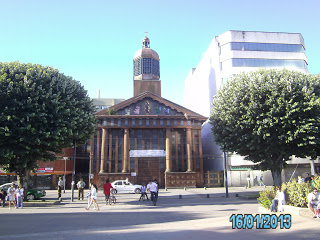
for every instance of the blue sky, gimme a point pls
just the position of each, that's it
(94, 41)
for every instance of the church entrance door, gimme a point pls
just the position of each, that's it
(148, 169)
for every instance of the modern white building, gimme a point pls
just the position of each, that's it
(229, 54)
(234, 52)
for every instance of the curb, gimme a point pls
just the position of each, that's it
(297, 211)
(39, 204)
(248, 197)
(204, 195)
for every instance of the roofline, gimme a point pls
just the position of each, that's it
(191, 117)
(258, 31)
(157, 98)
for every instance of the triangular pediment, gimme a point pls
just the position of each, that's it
(148, 104)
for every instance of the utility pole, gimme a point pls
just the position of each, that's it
(74, 169)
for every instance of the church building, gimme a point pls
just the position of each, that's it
(148, 137)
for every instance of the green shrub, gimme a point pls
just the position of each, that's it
(266, 197)
(296, 193)
(316, 182)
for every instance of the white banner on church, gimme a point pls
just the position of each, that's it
(147, 153)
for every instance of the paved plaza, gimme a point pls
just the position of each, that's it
(191, 214)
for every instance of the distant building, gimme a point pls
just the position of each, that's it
(234, 52)
(229, 54)
(103, 103)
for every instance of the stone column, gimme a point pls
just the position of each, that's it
(91, 158)
(103, 149)
(189, 150)
(168, 150)
(125, 150)
(110, 151)
(98, 152)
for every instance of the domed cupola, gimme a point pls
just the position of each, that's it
(146, 67)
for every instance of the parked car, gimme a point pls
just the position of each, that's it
(123, 186)
(32, 193)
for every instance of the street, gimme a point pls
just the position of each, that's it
(195, 216)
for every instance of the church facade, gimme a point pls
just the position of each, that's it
(148, 137)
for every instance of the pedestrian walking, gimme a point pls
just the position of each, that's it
(261, 183)
(60, 187)
(106, 189)
(94, 197)
(80, 185)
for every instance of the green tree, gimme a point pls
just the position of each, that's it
(268, 116)
(41, 112)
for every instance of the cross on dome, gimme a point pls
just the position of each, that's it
(146, 41)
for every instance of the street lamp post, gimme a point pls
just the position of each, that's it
(225, 173)
(64, 177)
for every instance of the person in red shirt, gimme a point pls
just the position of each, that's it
(106, 188)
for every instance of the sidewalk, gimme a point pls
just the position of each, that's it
(172, 193)
(193, 217)
(130, 200)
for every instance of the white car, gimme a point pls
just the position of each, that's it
(123, 186)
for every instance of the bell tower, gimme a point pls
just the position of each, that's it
(146, 70)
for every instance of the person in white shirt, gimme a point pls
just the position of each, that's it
(143, 192)
(19, 196)
(60, 187)
(314, 202)
(278, 201)
(153, 188)
(248, 181)
(11, 195)
(94, 197)
(80, 185)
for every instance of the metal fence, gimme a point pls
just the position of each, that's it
(213, 179)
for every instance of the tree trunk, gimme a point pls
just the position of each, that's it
(23, 180)
(312, 167)
(276, 175)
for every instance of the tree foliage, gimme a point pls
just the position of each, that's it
(41, 112)
(111, 111)
(268, 116)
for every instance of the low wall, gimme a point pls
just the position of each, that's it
(112, 177)
(298, 211)
(180, 179)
